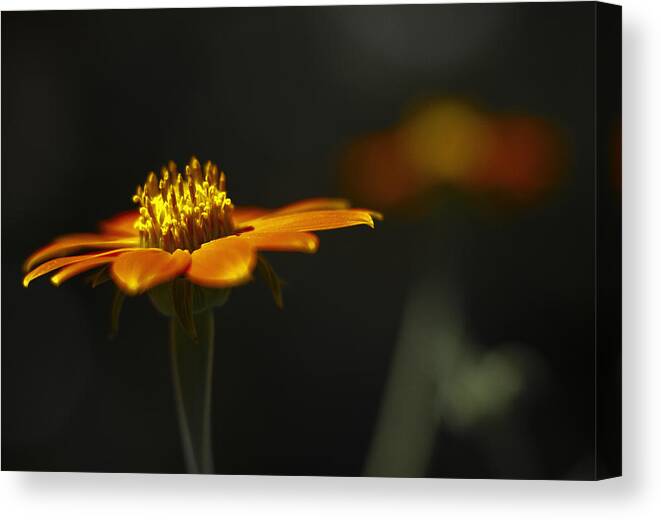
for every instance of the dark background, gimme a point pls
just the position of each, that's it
(93, 100)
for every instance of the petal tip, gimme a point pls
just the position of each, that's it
(57, 280)
(129, 287)
(312, 245)
(131, 290)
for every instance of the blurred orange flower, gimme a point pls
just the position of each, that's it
(451, 143)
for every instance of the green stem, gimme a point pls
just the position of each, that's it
(192, 372)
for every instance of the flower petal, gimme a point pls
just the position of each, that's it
(139, 271)
(376, 215)
(70, 243)
(284, 241)
(121, 224)
(76, 268)
(64, 261)
(313, 204)
(311, 221)
(242, 214)
(224, 262)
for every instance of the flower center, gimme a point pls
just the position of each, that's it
(183, 211)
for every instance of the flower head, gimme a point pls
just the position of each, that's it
(186, 226)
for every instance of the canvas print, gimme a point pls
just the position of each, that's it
(339, 241)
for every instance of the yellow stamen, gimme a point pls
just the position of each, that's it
(183, 211)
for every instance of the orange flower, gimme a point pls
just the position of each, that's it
(186, 226)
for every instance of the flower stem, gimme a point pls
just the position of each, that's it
(192, 372)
